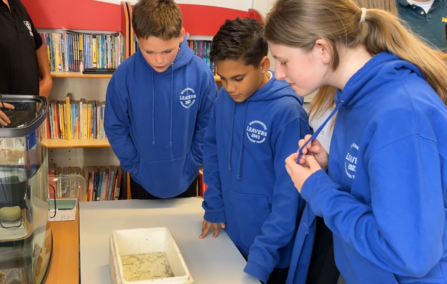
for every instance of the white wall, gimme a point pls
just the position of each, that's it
(243, 5)
(263, 6)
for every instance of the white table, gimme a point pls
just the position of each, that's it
(210, 261)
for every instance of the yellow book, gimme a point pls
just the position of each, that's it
(48, 52)
(94, 51)
(89, 120)
(67, 116)
(55, 50)
(81, 59)
(85, 121)
(59, 52)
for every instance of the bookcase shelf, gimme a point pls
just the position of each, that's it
(75, 143)
(78, 75)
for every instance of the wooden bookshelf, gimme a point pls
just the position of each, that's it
(75, 143)
(78, 75)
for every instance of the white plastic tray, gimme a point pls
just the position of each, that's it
(148, 240)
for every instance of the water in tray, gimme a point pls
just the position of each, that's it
(146, 266)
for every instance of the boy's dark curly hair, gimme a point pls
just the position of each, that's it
(240, 39)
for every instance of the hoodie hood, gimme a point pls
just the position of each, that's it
(381, 69)
(273, 90)
(184, 57)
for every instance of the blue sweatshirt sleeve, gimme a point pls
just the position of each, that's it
(209, 94)
(279, 228)
(212, 199)
(402, 231)
(117, 128)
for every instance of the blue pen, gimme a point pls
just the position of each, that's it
(314, 136)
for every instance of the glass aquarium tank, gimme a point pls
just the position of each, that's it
(25, 238)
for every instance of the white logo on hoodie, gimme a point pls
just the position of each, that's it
(256, 131)
(187, 97)
(351, 161)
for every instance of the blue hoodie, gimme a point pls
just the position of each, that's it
(155, 122)
(385, 196)
(248, 186)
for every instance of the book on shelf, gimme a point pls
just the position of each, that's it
(61, 189)
(75, 119)
(74, 52)
(102, 183)
(97, 71)
(202, 50)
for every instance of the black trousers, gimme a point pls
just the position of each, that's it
(322, 269)
(138, 192)
(278, 276)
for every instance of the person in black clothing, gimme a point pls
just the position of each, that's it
(24, 65)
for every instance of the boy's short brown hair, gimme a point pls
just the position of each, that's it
(158, 18)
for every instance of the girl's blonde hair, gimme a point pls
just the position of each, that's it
(338, 22)
(324, 98)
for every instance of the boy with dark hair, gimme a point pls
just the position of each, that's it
(254, 125)
(158, 105)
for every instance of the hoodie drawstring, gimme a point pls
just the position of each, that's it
(314, 136)
(172, 98)
(239, 174)
(231, 139)
(153, 109)
(153, 106)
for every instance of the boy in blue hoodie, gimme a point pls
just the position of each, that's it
(255, 123)
(158, 105)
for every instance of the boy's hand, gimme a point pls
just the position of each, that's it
(206, 226)
(315, 149)
(4, 120)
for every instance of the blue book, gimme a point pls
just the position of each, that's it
(207, 48)
(101, 123)
(100, 181)
(112, 174)
(70, 53)
(52, 51)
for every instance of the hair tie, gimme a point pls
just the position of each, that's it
(362, 18)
